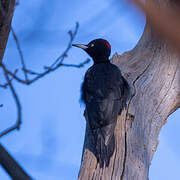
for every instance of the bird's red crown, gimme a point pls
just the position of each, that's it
(107, 43)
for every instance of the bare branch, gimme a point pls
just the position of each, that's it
(7, 84)
(47, 69)
(11, 166)
(77, 65)
(4, 85)
(64, 54)
(55, 65)
(16, 126)
(20, 53)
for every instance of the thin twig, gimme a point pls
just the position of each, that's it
(77, 65)
(16, 126)
(20, 53)
(64, 54)
(28, 82)
(55, 65)
(31, 72)
(4, 85)
(7, 84)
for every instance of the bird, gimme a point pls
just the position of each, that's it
(105, 93)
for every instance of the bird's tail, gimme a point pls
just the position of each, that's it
(104, 144)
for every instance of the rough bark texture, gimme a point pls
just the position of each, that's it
(152, 69)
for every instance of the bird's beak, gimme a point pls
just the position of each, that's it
(82, 46)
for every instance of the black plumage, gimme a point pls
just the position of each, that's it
(105, 93)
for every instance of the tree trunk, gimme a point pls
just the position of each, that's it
(152, 69)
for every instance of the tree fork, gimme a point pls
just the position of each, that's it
(152, 69)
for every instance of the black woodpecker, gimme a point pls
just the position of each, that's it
(105, 93)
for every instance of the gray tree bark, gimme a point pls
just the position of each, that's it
(152, 69)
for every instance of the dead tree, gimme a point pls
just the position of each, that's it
(152, 69)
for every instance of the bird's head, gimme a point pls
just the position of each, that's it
(98, 49)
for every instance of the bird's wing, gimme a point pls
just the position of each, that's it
(105, 93)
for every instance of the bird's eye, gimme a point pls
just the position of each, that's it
(92, 45)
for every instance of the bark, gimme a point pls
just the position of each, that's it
(152, 69)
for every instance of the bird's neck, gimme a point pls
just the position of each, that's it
(101, 60)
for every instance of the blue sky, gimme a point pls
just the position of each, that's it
(49, 144)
